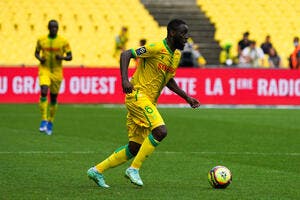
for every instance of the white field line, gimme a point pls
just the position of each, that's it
(204, 106)
(159, 152)
(234, 153)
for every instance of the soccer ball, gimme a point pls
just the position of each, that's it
(219, 177)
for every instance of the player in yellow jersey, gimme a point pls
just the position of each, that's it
(146, 127)
(121, 41)
(51, 50)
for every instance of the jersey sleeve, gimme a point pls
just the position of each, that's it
(66, 46)
(38, 45)
(145, 51)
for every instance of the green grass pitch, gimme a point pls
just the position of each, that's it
(261, 147)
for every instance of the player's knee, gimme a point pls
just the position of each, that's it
(43, 94)
(133, 147)
(44, 90)
(53, 98)
(160, 133)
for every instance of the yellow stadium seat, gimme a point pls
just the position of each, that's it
(90, 26)
(277, 18)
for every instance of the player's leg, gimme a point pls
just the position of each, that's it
(118, 157)
(43, 104)
(52, 112)
(146, 149)
(44, 80)
(149, 117)
(54, 90)
(52, 107)
(124, 153)
(149, 144)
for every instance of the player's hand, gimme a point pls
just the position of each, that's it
(127, 87)
(42, 60)
(194, 103)
(59, 57)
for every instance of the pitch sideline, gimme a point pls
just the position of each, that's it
(158, 152)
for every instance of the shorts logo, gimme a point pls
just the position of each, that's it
(149, 109)
(140, 51)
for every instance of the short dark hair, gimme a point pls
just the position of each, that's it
(52, 21)
(246, 34)
(143, 42)
(173, 24)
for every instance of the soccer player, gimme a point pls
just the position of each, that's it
(146, 127)
(121, 41)
(141, 43)
(51, 50)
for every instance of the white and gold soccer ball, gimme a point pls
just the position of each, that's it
(219, 177)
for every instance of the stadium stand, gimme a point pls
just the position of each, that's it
(261, 17)
(201, 30)
(90, 26)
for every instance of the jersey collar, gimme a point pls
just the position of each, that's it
(167, 47)
(51, 37)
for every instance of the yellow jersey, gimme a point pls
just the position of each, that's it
(158, 64)
(50, 47)
(121, 40)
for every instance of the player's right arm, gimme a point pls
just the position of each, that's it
(124, 63)
(141, 52)
(37, 53)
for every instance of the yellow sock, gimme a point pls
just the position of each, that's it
(43, 107)
(118, 157)
(52, 112)
(146, 149)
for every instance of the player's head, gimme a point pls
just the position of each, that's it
(252, 44)
(53, 27)
(177, 33)
(143, 42)
(246, 35)
(296, 41)
(124, 29)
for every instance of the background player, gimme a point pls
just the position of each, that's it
(50, 51)
(146, 128)
(121, 41)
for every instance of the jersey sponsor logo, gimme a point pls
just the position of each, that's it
(51, 49)
(166, 68)
(141, 51)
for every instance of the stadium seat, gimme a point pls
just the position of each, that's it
(90, 26)
(262, 17)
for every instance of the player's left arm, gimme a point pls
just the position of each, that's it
(67, 49)
(172, 85)
(68, 56)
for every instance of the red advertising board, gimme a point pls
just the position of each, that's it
(210, 86)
